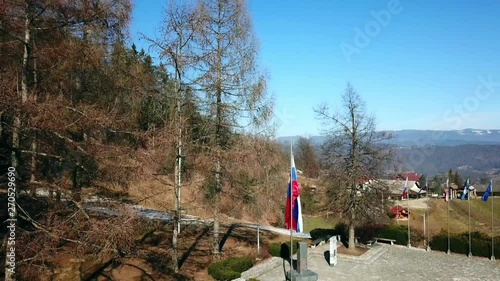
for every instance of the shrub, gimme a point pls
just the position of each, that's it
(416, 236)
(320, 232)
(481, 246)
(340, 229)
(365, 233)
(459, 243)
(368, 232)
(439, 242)
(223, 274)
(230, 268)
(396, 232)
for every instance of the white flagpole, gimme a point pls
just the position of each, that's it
(426, 213)
(291, 208)
(468, 199)
(492, 233)
(448, 198)
(408, 207)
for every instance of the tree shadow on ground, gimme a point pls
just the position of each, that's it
(193, 246)
(226, 236)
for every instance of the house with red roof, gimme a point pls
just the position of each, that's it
(412, 176)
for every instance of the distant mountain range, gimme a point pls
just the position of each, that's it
(472, 160)
(419, 138)
(472, 152)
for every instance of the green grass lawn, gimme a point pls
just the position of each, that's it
(311, 223)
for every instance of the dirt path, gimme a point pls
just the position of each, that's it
(420, 203)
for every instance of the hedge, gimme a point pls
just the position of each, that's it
(459, 243)
(340, 229)
(400, 234)
(320, 232)
(368, 232)
(230, 268)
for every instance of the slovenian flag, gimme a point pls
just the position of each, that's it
(487, 193)
(294, 222)
(466, 190)
(405, 190)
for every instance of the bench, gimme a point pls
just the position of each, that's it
(320, 241)
(391, 241)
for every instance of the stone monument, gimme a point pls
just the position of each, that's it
(302, 273)
(333, 250)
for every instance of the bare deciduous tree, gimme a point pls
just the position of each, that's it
(176, 49)
(234, 89)
(354, 157)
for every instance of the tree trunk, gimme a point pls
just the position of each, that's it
(352, 245)
(58, 195)
(17, 119)
(175, 260)
(51, 193)
(218, 133)
(216, 208)
(76, 190)
(34, 136)
(16, 126)
(33, 165)
(178, 168)
(176, 226)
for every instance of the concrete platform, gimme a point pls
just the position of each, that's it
(386, 263)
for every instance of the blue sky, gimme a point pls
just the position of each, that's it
(416, 64)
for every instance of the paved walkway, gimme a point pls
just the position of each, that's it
(386, 263)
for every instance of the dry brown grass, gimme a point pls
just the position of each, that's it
(437, 217)
(196, 246)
